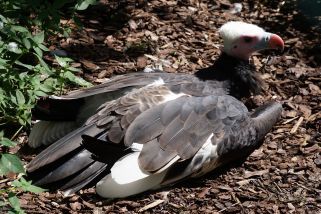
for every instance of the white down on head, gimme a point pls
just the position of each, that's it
(234, 30)
(242, 39)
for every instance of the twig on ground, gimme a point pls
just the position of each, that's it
(296, 126)
(151, 205)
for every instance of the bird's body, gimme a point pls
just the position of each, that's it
(227, 75)
(147, 130)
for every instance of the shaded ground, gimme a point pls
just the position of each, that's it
(283, 176)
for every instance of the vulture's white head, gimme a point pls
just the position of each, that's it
(242, 39)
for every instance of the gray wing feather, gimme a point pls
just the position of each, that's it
(46, 132)
(188, 131)
(145, 127)
(118, 82)
(148, 160)
(115, 133)
(193, 120)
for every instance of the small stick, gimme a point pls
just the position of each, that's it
(15, 134)
(296, 126)
(290, 120)
(151, 205)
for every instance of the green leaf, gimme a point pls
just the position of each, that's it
(38, 51)
(61, 61)
(7, 142)
(39, 38)
(43, 63)
(12, 163)
(40, 93)
(27, 186)
(3, 203)
(42, 47)
(13, 99)
(19, 29)
(30, 67)
(74, 69)
(20, 97)
(3, 19)
(78, 80)
(46, 87)
(23, 75)
(3, 61)
(15, 203)
(3, 170)
(70, 76)
(83, 4)
(26, 43)
(21, 120)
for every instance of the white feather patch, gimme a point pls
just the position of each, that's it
(170, 96)
(126, 178)
(173, 96)
(157, 82)
(209, 155)
(137, 147)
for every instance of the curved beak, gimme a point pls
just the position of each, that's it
(276, 42)
(270, 41)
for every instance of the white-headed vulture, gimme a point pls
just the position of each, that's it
(142, 131)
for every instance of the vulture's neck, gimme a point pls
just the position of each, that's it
(240, 76)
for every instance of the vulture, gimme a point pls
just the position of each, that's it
(143, 131)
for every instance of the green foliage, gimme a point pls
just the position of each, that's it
(83, 5)
(15, 204)
(26, 185)
(10, 163)
(42, 13)
(66, 72)
(25, 75)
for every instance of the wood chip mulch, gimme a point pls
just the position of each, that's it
(283, 176)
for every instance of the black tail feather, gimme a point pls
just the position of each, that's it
(89, 177)
(57, 109)
(61, 148)
(81, 167)
(70, 167)
(103, 151)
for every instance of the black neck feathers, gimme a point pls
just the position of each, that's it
(240, 76)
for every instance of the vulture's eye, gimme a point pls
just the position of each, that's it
(248, 39)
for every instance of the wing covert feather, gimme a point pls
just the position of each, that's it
(192, 120)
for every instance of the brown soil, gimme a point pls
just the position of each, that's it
(283, 176)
